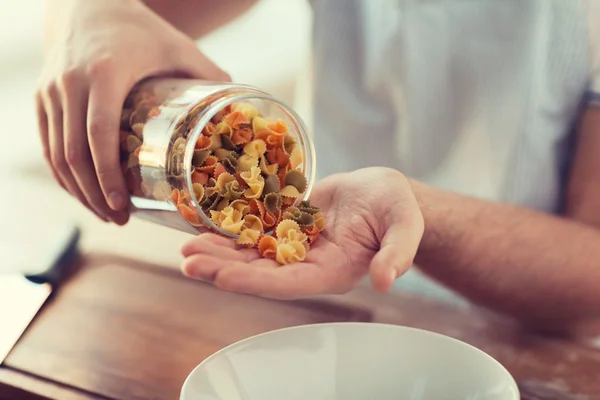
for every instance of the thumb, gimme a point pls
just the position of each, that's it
(195, 63)
(397, 250)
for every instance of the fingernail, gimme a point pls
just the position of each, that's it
(116, 201)
(393, 275)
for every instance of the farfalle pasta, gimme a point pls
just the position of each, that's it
(244, 175)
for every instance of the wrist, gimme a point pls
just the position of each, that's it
(435, 208)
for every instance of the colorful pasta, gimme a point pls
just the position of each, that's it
(246, 173)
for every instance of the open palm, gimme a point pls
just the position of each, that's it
(374, 226)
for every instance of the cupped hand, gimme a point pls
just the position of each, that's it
(93, 60)
(374, 226)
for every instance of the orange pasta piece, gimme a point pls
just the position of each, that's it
(209, 129)
(274, 140)
(219, 169)
(199, 177)
(257, 208)
(235, 119)
(240, 180)
(188, 214)
(312, 232)
(269, 220)
(278, 156)
(242, 136)
(278, 126)
(175, 196)
(209, 165)
(267, 247)
(203, 143)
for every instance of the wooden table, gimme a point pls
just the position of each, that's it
(123, 328)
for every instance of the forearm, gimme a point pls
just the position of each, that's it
(536, 267)
(193, 17)
(197, 18)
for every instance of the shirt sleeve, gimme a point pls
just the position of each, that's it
(593, 11)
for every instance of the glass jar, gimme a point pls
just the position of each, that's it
(170, 145)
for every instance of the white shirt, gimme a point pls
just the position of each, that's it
(473, 96)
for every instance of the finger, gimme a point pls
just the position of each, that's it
(262, 277)
(218, 246)
(206, 267)
(56, 141)
(397, 252)
(103, 119)
(77, 150)
(42, 121)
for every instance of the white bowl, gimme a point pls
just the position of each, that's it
(350, 361)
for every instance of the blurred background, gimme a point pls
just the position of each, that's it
(275, 63)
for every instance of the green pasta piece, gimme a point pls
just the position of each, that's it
(272, 202)
(227, 143)
(199, 157)
(272, 185)
(296, 179)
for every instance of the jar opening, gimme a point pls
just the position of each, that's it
(277, 109)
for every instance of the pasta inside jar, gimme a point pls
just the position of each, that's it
(225, 158)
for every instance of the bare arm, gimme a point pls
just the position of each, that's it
(541, 269)
(195, 18)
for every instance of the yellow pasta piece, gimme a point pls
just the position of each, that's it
(228, 186)
(296, 236)
(233, 221)
(296, 157)
(269, 169)
(284, 227)
(222, 204)
(255, 183)
(247, 109)
(290, 252)
(246, 162)
(198, 191)
(222, 180)
(211, 187)
(223, 129)
(290, 191)
(253, 222)
(259, 124)
(216, 217)
(255, 148)
(241, 206)
(248, 237)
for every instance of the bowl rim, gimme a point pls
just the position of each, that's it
(379, 325)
